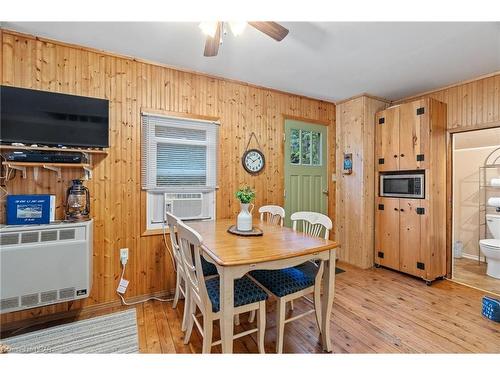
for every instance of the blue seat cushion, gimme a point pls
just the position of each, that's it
(310, 268)
(285, 281)
(245, 292)
(208, 268)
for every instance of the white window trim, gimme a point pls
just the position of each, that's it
(211, 173)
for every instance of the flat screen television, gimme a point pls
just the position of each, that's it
(52, 119)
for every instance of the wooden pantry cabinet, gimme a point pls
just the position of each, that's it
(410, 234)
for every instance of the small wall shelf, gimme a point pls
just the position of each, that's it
(58, 149)
(56, 167)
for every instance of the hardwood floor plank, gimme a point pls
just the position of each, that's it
(164, 334)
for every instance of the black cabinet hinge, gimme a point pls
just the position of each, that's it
(420, 157)
(420, 266)
(380, 254)
(420, 211)
(381, 120)
(420, 111)
(381, 161)
(381, 207)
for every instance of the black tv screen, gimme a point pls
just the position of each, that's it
(46, 118)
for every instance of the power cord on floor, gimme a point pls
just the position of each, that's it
(122, 286)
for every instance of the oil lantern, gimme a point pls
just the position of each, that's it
(77, 202)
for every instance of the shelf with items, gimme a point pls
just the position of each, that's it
(487, 190)
(52, 166)
(55, 167)
(58, 149)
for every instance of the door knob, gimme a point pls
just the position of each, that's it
(325, 192)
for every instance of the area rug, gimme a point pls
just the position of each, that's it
(112, 333)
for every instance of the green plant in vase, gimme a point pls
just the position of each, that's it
(245, 195)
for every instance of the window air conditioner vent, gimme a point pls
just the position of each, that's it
(48, 235)
(29, 237)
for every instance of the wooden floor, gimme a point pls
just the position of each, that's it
(375, 311)
(473, 273)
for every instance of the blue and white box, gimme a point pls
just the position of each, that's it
(30, 209)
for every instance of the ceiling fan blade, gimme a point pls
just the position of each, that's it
(212, 44)
(272, 29)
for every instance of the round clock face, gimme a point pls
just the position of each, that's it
(253, 161)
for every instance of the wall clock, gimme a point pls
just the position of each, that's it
(253, 160)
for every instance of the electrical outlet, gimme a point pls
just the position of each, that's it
(124, 255)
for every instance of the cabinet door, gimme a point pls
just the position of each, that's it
(387, 232)
(411, 258)
(414, 135)
(387, 140)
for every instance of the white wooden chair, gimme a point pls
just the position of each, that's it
(272, 214)
(205, 294)
(313, 223)
(296, 282)
(180, 281)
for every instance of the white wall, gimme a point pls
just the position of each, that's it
(466, 163)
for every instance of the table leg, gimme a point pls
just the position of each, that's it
(227, 309)
(327, 300)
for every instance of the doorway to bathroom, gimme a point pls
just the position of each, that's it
(476, 209)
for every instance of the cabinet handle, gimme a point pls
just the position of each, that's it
(395, 209)
(395, 156)
(402, 155)
(402, 210)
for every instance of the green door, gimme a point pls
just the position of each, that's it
(306, 184)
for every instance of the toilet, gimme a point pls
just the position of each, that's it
(491, 247)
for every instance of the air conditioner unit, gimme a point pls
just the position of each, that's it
(190, 206)
(44, 264)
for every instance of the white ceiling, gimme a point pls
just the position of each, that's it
(326, 60)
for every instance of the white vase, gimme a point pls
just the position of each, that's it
(244, 219)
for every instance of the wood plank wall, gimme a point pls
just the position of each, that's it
(117, 200)
(354, 228)
(474, 104)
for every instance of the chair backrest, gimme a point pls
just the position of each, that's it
(190, 243)
(272, 214)
(312, 223)
(172, 221)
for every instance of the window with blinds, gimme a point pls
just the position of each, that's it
(178, 153)
(179, 167)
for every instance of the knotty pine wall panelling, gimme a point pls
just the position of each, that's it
(474, 104)
(117, 202)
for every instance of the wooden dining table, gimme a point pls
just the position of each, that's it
(278, 247)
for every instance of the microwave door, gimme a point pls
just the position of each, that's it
(399, 186)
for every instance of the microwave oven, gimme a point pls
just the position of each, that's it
(403, 185)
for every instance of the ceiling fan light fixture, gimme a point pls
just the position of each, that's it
(208, 28)
(237, 27)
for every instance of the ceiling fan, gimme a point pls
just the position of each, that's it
(216, 30)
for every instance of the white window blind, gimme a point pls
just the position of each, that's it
(178, 153)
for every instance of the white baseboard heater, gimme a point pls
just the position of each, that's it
(44, 264)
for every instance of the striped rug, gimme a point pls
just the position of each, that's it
(112, 333)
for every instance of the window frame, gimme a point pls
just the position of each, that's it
(146, 194)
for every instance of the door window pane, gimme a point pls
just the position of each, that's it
(306, 148)
(316, 148)
(295, 146)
